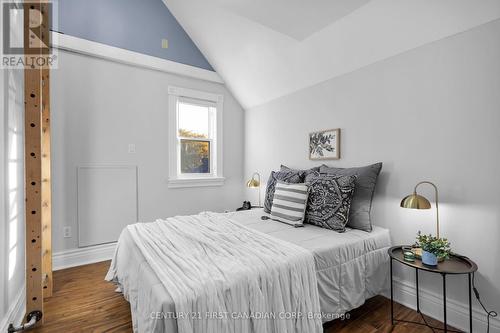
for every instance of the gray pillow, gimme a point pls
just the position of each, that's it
(286, 176)
(306, 172)
(359, 216)
(329, 200)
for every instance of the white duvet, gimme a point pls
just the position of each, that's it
(350, 268)
(225, 277)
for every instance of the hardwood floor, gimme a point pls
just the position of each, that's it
(84, 302)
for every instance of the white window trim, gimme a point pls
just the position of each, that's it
(174, 180)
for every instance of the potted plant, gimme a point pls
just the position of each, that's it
(433, 249)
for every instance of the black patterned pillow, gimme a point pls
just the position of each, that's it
(286, 176)
(305, 171)
(329, 200)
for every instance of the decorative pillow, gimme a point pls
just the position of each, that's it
(359, 217)
(313, 174)
(329, 200)
(289, 203)
(287, 176)
(306, 172)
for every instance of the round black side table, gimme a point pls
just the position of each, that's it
(456, 264)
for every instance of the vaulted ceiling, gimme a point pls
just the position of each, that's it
(294, 18)
(265, 49)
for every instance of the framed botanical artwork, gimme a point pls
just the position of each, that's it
(324, 145)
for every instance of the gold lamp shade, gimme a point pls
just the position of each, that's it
(415, 201)
(253, 183)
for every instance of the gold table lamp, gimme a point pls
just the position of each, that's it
(255, 183)
(416, 201)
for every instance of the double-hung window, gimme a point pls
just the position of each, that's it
(195, 148)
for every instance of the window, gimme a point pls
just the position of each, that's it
(195, 135)
(195, 138)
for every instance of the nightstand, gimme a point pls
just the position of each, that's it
(455, 265)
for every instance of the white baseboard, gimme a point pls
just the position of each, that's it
(432, 305)
(16, 312)
(82, 256)
(116, 54)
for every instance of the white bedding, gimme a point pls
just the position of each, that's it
(350, 267)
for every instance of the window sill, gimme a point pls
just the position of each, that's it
(195, 182)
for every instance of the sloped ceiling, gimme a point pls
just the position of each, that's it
(266, 49)
(132, 25)
(296, 19)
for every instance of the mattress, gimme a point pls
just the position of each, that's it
(351, 267)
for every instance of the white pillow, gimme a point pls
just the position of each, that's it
(289, 203)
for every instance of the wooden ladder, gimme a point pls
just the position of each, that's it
(37, 157)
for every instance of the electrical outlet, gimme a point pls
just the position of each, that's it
(67, 232)
(131, 148)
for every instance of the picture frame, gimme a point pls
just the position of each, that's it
(324, 145)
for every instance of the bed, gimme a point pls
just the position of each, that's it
(349, 268)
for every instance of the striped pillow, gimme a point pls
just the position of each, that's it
(289, 203)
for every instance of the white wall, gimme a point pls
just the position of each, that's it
(431, 113)
(98, 108)
(12, 191)
(3, 206)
